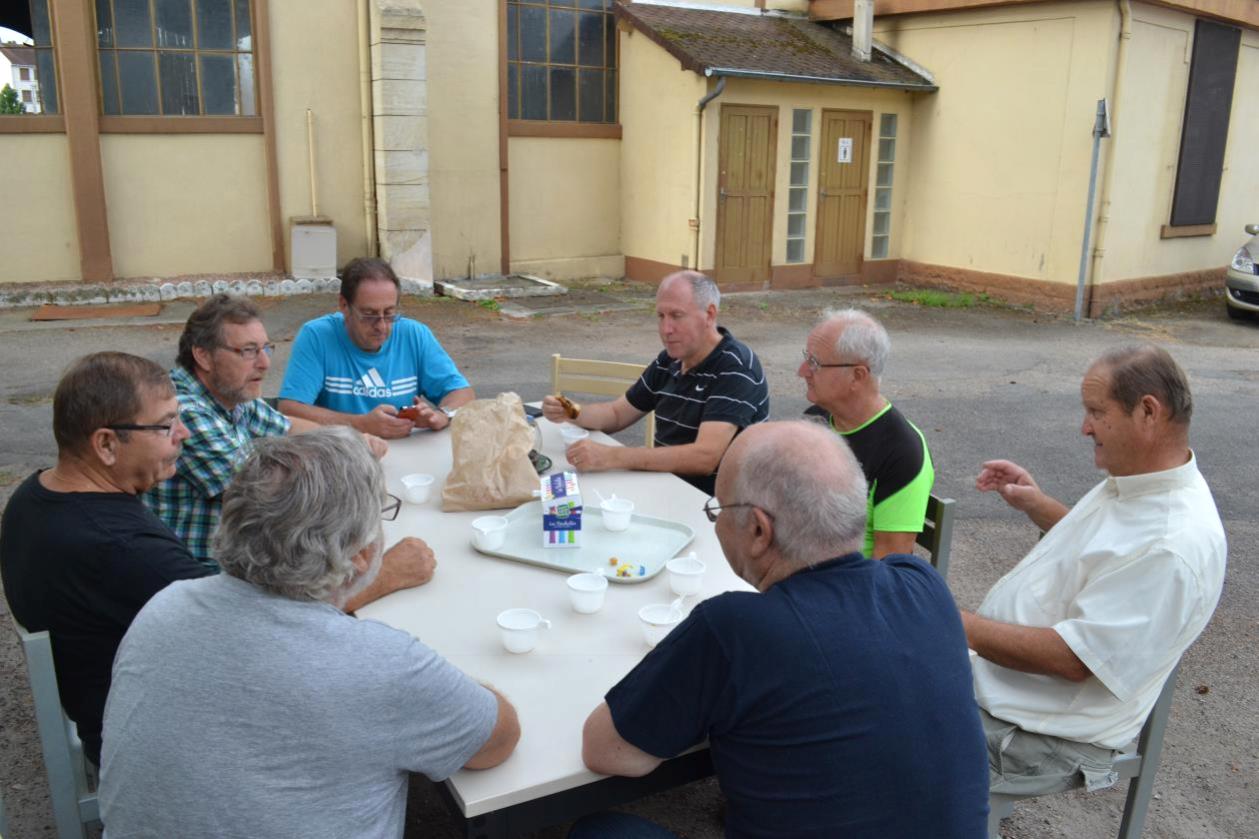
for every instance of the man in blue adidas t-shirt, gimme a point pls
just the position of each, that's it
(363, 364)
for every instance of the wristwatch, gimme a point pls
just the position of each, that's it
(449, 412)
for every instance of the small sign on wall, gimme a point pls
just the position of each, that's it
(845, 149)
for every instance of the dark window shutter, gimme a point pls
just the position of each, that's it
(1204, 135)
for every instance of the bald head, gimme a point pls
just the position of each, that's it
(805, 476)
(704, 291)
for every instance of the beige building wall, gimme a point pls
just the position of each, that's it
(37, 223)
(816, 97)
(1148, 126)
(658, 152)
(999, 163)
(565, 205)
(186, 204)
(315, 53)
(463, 60)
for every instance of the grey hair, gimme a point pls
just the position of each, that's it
(816, 494)
(1145, 369)
(298, 510)
(862, 337)
(703, 290)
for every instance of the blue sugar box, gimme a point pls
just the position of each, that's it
(561, 511)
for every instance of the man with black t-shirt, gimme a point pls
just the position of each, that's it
(80, 554)
(705, 388)
(843, 360)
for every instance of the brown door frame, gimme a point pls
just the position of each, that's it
(823, 162)
(772, 153)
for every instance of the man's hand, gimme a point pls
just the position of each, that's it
(430, 417)
(408, 564)
(378, 446)
(553, 410)
(383, 421)
(1015, 485)
(587, 456)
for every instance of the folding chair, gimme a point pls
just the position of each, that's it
(74, 804)
(1138, 761)
(602, 378)
(937, 532)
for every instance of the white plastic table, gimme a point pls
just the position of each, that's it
(556, 686)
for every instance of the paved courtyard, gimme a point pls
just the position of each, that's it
(981, 382)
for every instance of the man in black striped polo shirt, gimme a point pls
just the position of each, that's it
(705, 388)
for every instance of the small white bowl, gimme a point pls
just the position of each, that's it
(617, 513)
(686, 575)
(519, 629)
(416, 487)
(586, 591)
(489, 532)
(658, 620)
(572, 433)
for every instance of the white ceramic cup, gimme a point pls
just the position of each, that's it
(417, 487)
(489, 532)
(519, 628)
(617, 513)
(586, 591)
(572, 433)
(686, 574)
(658, 620)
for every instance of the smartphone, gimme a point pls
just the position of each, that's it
(531, 411)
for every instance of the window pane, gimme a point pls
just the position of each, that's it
(883, 199)
(569, 3)
(795, 250)
(590, 39)
(244, 26)
(563, 38)
(109, 84)
(590, 95)
(799, 148)
(179, 83)
(133, 26)
(513, 33)
(797, 200)
(884, 178)
(104, 24)
(214, 26)
(174, 23)
(563, 93)
(795, 225)
(532, 33)
(533, 92)
(887, 149)
(137, 77)
(218, 84)
(882, 222)
(609, 38)
(592, 4)
(612, 93)
(799, 174)
(801, 121)
(887, 125)
(46, 75)
(878, 247)
(40, 31)
(245, 71)
(513, 91)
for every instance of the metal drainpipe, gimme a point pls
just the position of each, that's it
(365, 105)
(1108, 177)
(699, 160)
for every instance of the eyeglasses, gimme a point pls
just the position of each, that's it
(167, 430)
(389, 511)
(370, 318)
(814, 365)
(249, 352)
(712, 509)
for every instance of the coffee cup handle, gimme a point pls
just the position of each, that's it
(544, 624)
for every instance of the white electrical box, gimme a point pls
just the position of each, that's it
(314, 244)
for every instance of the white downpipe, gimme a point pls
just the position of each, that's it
(368, 140)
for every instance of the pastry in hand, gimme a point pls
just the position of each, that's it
(571, 408)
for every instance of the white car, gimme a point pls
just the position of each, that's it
(1241, 285)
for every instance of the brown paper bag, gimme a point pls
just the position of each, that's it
(490, 442)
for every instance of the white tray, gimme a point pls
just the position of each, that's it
(648, 542)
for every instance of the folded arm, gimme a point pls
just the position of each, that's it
(699, 458)
(503, 738)
(603, 750)
(1029, 649)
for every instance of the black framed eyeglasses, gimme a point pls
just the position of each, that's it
(370, 318)
(815, 365)
(389, 511)
(249, 352)
(168, 430)
(713, 509)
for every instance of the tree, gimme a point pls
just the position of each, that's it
(9, 101)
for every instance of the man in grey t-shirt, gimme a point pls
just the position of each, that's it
(250, 705)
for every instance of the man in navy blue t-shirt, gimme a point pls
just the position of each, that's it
(837, 699)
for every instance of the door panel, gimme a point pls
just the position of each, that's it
(745, 193)
(843, 193)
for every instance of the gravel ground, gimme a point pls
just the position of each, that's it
(981, 382)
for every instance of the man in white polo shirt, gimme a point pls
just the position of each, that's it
(1076, 642)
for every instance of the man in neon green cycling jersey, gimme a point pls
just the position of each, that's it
(843, 360)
